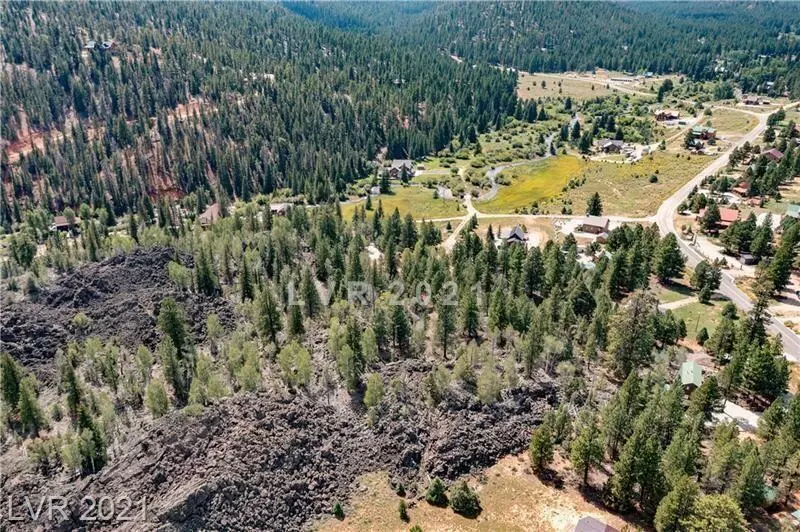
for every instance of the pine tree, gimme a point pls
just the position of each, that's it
(374, 393)
(296, 327)
(172, 323)
(620, 412)
(401, 329)
(435, 494)
(594, 207)
(245, 280)
(715, 513)
(268, 316)
(668, 261)
(748, 489)
(469, 314)
(10, 377)
(631, 334)
(677, 505)
(587, 449)
(311, 300)
(540, 449)
(156, 399)
(30, 413)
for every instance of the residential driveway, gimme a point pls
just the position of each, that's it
(747, 420)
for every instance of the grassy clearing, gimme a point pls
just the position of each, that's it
(730, 121)
(512, 499)
(417, 201)
(530, 86)
(536, 181)
(697, 315)
(626, 188)
(673, 292)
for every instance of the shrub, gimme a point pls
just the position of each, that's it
(702, 336)
(653, 178)
(156, 399)
(402, 510)
(464, 500)
(436, 495)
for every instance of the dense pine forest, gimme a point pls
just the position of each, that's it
(700, 39)
(280, 102)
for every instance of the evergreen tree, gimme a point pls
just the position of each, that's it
(245, 281)
(296, 327)
(172, 323)
(10, 378)
(30, 413)
(469, 314)
(668, 261)
(540, 449)
(631, 334)
(748, 489)
(677, 505)
(715, 512)
(587, 449)
(594, 207)
(311, 300)
(268, 316)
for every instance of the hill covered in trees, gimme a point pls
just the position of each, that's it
(753, 42)
(275, 102)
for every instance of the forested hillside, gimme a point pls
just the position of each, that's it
(273, 101)
(755, 42)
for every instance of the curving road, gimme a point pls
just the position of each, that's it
(666, 224)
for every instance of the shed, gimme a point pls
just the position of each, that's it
(796, 516)
(747, 258)
(594, 224)
(793, 210)
(691, 375)
(592, 524)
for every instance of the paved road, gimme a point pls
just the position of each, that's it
(666, 224)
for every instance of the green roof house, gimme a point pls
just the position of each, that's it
(691, 376)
